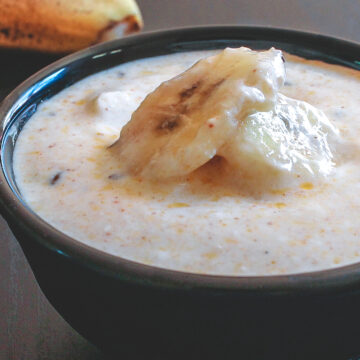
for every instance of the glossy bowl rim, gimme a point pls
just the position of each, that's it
(319, 282)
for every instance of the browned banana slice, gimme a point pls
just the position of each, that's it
(65, 25)
(183, 123)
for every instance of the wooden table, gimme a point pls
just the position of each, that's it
(29, 327)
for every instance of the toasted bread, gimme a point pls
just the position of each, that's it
(62, 26)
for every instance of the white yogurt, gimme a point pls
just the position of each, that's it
(203, 224)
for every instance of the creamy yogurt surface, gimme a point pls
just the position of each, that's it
(205, 223)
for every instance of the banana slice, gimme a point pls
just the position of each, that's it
(65, 25)
(186, 120)
(292, 139)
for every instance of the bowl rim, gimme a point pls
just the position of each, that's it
(13, 209)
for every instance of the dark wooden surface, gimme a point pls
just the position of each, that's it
(30, 329)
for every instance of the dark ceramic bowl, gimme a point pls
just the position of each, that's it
(133, 310)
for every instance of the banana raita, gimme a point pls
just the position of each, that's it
(243, 163)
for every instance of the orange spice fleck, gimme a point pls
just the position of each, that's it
(178, 205)
(107, 187)
(80, 102)
(95, 207)
(35, 153)
(279, 191)
(307, 185)
(210, 255)
(230, 241)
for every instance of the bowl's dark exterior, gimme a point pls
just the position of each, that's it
(133, 310)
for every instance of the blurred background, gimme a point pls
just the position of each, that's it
(331, 17)
(29, 327)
